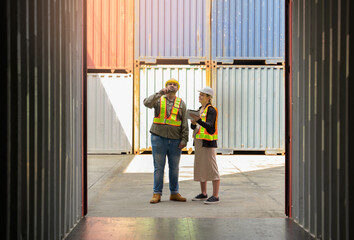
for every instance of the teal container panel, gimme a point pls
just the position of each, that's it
(251, 105)
(152, 79)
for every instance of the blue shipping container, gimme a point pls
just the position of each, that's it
(248, 29)
(172, 30)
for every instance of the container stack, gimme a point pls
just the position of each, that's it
(248, 55)
(236, 47)
(172, 39)
(110, 65)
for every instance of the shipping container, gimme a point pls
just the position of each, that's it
(152, 79)
(321, 104)
(110, 34)
(44, 94)
(251, 108)
(109, 113)
(172, 30)
(248, 29)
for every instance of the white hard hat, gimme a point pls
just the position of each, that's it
(207, 90)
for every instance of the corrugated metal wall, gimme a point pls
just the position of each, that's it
(172, 30)
(248, 29)
(251, 107)
(152, 79)
(110, 30)
(44, 117)
(321, 166)
(109, 113)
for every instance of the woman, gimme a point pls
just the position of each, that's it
(205, 136)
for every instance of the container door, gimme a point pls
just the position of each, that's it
(109, 113)
(251, 104)
(152, 79)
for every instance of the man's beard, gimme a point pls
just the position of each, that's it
(172, 91)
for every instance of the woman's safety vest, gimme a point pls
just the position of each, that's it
(203, 133)
(172, 119)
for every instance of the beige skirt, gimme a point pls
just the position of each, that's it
(205, 167)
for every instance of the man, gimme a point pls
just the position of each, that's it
(169, 134)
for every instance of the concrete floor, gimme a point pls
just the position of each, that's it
(121, 186)
(251, 201)
(97, 228)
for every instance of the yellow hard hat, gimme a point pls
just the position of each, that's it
(172, 80)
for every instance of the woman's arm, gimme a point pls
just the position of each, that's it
(209, 125)
(193, 122)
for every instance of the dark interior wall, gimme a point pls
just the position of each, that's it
(321, 132)
(42, 91)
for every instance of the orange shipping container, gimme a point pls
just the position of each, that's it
(110, 34)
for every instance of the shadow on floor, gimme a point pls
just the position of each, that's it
(251, 207)
(187, 228)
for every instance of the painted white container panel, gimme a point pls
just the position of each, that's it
(251, 104)
(109, 113)
(152, 79)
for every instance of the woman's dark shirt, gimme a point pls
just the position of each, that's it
(209, 125)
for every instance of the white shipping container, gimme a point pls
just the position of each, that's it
(251, 104)
(152, 79)
(109, 113)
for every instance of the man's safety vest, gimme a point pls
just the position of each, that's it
(203, 133)
(172, 120)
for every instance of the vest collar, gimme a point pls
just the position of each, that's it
(169, 99)
(205, 105)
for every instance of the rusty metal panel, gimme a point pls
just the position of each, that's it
(44, 119)
(110, 113)
(251, 106)
(110, 30)
(152, 79)
(172, 30)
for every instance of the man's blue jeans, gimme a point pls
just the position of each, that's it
(162, 147)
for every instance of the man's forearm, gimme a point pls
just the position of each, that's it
(151, 100)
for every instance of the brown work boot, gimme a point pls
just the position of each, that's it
(177, 197)
(155, 198)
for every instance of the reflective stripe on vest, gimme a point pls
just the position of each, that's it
(203, 133)
(172, 120)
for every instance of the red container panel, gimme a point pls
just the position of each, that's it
(110, 31)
